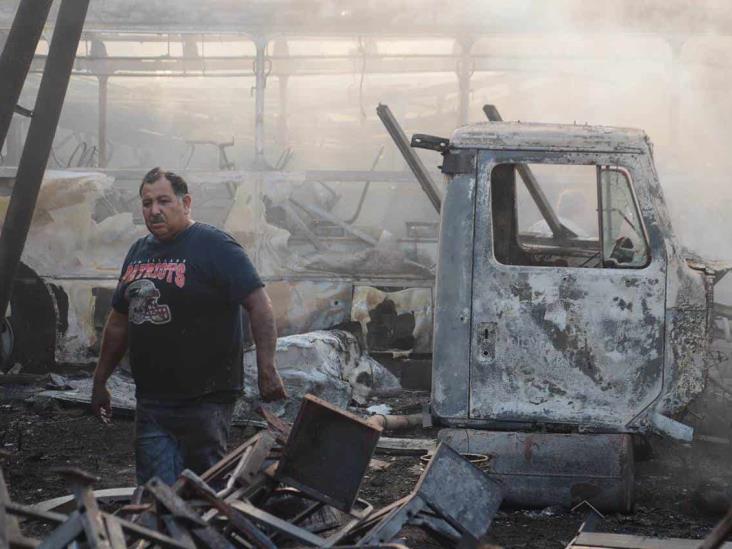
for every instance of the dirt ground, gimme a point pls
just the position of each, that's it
(669, 502)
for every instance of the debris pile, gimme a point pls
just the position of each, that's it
(289, 485)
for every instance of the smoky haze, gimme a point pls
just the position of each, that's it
(657, 65)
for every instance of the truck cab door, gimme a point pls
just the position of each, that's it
(566, 328)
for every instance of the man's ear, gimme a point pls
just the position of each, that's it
(187, 203)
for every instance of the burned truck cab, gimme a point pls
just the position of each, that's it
(563, 300)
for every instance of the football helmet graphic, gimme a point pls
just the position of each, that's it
(144, 307)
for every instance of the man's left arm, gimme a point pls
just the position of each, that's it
(264, 330)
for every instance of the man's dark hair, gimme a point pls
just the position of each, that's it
(180, 187)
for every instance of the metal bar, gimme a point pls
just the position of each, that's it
(415, 164)
(102, 129)
(318, 65)
(464, 72)
(532, 185)
(318, 212)
(42, 130)
(17, 55)
(261, 83)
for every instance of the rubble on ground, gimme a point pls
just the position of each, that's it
(289, 485)
(329, 364)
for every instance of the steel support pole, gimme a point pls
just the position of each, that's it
(41, 132)
(102, 129)
(464, 73)
(281, 50)
(17, 55)
(260, 84)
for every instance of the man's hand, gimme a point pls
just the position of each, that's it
(270, 385)
(101, 402)
(264, 330)
(114, 344)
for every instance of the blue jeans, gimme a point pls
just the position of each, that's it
(172, 435)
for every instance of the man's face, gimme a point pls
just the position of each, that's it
(166, 215)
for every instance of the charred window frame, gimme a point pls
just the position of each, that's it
(620, 251)
(569, 249)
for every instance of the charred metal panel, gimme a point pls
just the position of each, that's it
(572, 345)
(394, 320)
(689, 300)
(549, 137)
(687, 334)
(305, 306)
(454, 290)
(544, 469)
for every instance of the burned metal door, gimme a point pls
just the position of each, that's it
(566, 327)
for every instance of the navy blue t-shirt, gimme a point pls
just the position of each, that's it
(183, 302)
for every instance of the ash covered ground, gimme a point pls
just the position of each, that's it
(680, 489)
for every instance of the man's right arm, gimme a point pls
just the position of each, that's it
(114, 346)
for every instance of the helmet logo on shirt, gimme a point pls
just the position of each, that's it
(144, 307)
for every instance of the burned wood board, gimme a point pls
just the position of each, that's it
(598, 540)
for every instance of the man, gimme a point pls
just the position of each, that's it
(178, 305)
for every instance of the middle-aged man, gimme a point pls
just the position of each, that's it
(178, 305)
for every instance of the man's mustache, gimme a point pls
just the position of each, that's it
(157, 219)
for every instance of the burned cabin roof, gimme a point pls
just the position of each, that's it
(549, 137)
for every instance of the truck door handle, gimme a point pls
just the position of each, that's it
(487, 341)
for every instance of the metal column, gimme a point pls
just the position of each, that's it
(464, 71)
(99, 51)
(41, 132)
(281, 50)
(102, 130)
(17, 55)
(261, 83)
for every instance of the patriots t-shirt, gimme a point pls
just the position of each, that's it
(183, 302)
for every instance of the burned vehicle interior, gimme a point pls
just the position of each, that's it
(595, 224)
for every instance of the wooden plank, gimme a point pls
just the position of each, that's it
(601, 540)
(150, 535)
(115, 535)
(177, 531)
(720, 533)
(64, 534)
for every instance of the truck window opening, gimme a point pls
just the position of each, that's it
(594, 203)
